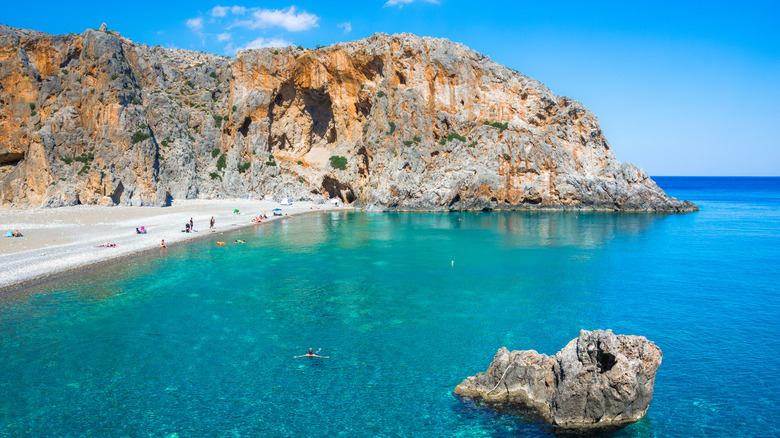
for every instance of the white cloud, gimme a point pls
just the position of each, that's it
(285, 18)
(196, 24)
(238, 10)
(259, 43)
(219, 11)
(225, 36)
(401, 3)
(346, 26)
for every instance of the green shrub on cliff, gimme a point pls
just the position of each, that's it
(222, 162)
(214, 153)
(500, 126)
(140, 136)
(84, 157)
(392, 127)
(338, 162)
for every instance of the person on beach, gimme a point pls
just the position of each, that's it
(162, 244)
(312, 354)
(17, 233)
(211, 224)
(192, 225)
(186, 227)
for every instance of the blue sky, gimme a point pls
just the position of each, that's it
(680, 88)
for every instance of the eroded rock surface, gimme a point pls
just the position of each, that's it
(598, 381)
(423, 123)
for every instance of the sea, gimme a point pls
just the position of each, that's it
(199, 340)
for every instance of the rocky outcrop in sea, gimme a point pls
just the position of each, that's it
(390, 122)
(599, 381)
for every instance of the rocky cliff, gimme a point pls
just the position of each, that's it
(388, 122)
(599, 381)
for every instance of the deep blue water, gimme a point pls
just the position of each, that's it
(199, 340)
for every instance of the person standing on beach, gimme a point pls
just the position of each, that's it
(192, 226)
(211, 224)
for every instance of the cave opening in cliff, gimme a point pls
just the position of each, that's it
(11, 158)
(364, 162)
(336, 188)
(363, 107)
(244, 129)
(454, 200)
(319, 107)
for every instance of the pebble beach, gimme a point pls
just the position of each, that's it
(64, 239)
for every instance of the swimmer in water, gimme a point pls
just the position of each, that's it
(311, 354)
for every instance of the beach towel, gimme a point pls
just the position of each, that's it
(9, 234)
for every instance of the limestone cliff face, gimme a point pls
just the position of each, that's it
(389, 122)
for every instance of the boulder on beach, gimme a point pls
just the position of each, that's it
(599, 381)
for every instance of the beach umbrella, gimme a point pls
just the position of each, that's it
(277, 209)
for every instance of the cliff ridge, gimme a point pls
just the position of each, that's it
(390, 122)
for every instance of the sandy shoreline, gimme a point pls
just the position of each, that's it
(61, 240)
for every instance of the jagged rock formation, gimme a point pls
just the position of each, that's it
(389, 122)
(598, 381)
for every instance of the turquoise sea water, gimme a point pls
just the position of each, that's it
(198, 340)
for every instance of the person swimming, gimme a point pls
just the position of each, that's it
(311, 353)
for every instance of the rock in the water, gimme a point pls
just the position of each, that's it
(598, 381)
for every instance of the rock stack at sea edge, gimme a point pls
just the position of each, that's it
(390, 122)
(599, 381)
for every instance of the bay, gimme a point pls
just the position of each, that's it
(199, 340)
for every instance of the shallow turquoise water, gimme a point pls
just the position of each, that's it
(199, 340)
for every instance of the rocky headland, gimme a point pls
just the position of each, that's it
(391, 122)
(599, 381)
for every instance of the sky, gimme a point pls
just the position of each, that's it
(679, 88)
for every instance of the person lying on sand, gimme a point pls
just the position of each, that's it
(106, 245)
(311, 354)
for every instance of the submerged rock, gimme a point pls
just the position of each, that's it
(599, 381)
